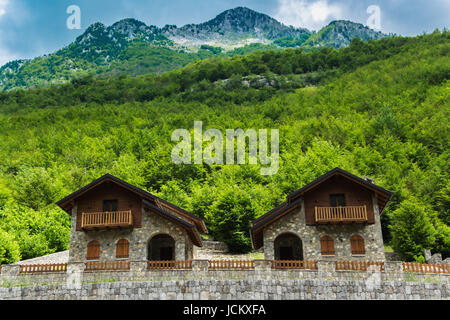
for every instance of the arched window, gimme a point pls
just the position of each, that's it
(357, 243)
(93, 250)
(327, 246)
(123, 249)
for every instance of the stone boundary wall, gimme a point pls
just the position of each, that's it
(234, 290)
(215, 245)
(12, 282)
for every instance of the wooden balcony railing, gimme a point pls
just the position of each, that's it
(358, 265)
(107, 266)
(341, 214)
(169, 265)
(42, 268)
(231, 264)
(100, 220)
(291, 264)
(426, 268)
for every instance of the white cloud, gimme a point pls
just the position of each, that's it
(308, 14)
(6, 56)
(3, 5)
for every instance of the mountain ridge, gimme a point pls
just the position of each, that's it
(108, 50)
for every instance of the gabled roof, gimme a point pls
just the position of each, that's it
(346, 174)
(67, 203)
(294, 201)
(384, 196)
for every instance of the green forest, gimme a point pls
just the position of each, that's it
(379, 109)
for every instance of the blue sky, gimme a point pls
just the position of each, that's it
(29, 28)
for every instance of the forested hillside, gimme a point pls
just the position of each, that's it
(379, 109)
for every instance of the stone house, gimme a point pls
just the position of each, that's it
(335, 217)
(113, 220)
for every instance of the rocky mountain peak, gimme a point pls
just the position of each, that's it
(129, 26)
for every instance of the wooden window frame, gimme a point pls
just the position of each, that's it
(110, 203)
(336, 197)
(123, 249)
(358, 245)
(89, 255)
(327, 241)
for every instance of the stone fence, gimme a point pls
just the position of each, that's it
(325, 270)
(240, 290)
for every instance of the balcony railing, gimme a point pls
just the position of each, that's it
(169, 265)
(288, 264)
(102, 220)
(43, 268)
(231, 264)
(107, 266)
(341, 214)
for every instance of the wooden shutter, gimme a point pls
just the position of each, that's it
(357, 243)
(327, 245)
(93, 250)
(123, 249)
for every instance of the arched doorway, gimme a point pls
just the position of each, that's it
(288, 246)
(161, 248)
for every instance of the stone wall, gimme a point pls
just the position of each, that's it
(57, 284)
(233, 290)
(295, 223)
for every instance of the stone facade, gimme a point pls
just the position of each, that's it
(139, 238)
(310, 235)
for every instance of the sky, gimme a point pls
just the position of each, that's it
(30, 28)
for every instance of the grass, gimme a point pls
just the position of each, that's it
(432, 279)
(256, 255)
(410, 277)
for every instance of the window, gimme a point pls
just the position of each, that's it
(337, 200)
(357, 243)
(110, 205)
(93, 250)
(123, 249)
(327, 246)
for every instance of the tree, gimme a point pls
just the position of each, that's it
(9, 248)
(34, 188)
(412, 230)
(230, 217)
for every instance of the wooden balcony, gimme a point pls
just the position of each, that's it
(106, 220)
(329, 215)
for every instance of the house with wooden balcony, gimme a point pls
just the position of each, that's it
(116, 221)
(335, 217)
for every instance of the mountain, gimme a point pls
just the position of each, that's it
(131, 47)
(340, 34)
(99, 40)
(235, 25)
